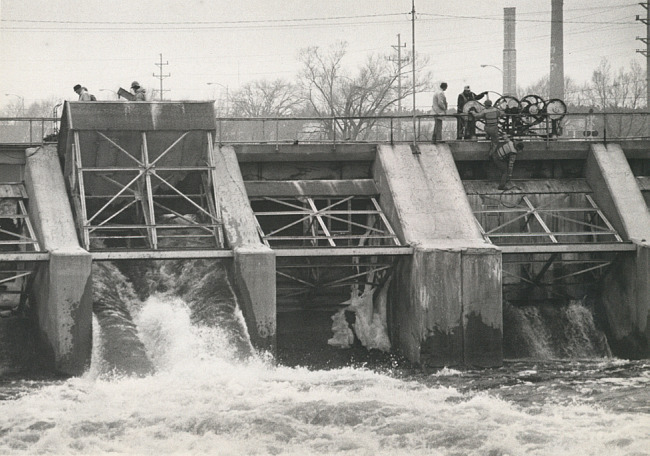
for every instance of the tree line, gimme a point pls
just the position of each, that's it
(325, 87)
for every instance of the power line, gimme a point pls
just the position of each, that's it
(249, 21)
(303, 19)
(545, 21)
(141, 29)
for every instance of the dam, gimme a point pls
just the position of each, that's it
(304, 226)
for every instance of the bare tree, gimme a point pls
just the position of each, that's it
(621, 92)
(263, 98)
(354, 99)
(575, 94)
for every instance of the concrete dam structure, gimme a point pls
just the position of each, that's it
(302, 228)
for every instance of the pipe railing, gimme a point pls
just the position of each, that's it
(602, 126)
(27, 130)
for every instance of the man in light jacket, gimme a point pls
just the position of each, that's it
(439, 107)
(83, 93)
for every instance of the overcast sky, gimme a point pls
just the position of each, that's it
(48, 46)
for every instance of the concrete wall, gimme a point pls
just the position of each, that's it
(617, 192)
(626, 289)
(61, 291)
(446, 300)
(254, 263)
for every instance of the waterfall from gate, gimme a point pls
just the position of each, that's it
(552, 331)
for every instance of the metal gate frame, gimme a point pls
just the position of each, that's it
(373, 240)
(140, 194)
(552, 247)
(18, 251)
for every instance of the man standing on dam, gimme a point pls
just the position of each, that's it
(439, 107)
(139, 92)
(466, 128)
(83, 93)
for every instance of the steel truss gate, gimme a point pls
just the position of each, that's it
(19, 249)
(142, 175)
(325, 239)
(554, 238)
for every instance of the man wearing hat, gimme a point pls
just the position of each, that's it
(139, 92)
(466, 128)
(83, 93)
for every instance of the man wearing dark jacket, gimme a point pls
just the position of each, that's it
(504, 158)
(466, 128)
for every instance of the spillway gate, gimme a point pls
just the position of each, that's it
(326, 234)
(134, 180)
(19, 248)
(549, 234)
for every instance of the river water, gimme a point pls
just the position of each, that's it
(209, 394)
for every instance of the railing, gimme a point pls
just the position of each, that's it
(28, 130)
(395, 129)
(603, 127)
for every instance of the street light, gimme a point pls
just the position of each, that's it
(483, 66)
(225, 87)
(503, 76)
(117, 96)
(22, 102)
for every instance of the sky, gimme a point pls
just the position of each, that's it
(210, 48)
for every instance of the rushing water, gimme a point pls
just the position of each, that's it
(210, 394)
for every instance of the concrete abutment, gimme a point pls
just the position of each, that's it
(61, 291)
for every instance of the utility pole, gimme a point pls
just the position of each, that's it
(646, 51)
(399, 61)
(161, 76)
(413, 61)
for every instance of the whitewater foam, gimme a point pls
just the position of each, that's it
(204, 400)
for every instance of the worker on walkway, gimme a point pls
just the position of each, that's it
(439, 107)
(504, 158)
(139, 92)
(465, 127)
(491, 116)
(83, 93)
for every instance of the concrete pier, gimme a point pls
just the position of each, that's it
(626, 294)
(254, 263)
(61, 290)
(446, 301)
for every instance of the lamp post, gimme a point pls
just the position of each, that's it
(483, 66)
(503, 88)
(225, 87)
(22, 102)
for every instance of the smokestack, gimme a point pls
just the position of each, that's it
(509, 53)
(556, 79)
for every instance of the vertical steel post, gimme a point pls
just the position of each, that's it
(151, 217)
